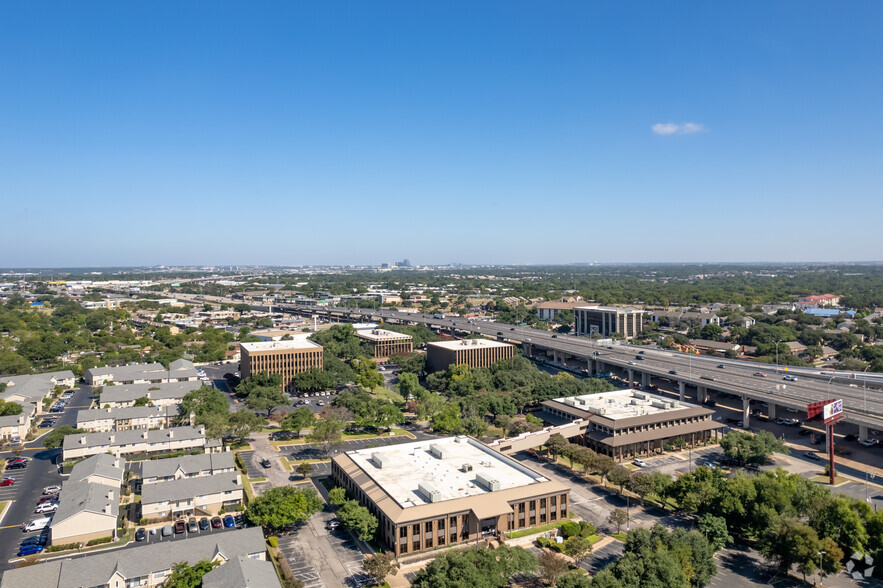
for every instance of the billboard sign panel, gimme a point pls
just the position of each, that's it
(832, 409)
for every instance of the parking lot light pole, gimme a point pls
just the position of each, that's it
(821, 554)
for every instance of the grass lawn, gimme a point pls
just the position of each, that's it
(535, 530)
(3, 506)
(823, 479)
(618, 536)
(387, 394)
(125, 538)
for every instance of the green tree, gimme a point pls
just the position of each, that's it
(283, 506)
(267, 398)
(56, 437)
(358, 519)
(367, 375)
(747, 448)
(552, 566)
(243, 423)
(297, 420)
(476, 567)
(260, 380)
(304, 469)
(447, 420)
(618, 517)
(577, 547)
(556, 444)
(788, 542)
(715, 530)
(574, 579)
(143, 401)
(203, 401)
(618, 476)
(328, 434)
(379, 566)
(429, 406)
(186, 576)
(9, 408)
(337, 496)
(837, 519)
(641, 483)
(475, 426)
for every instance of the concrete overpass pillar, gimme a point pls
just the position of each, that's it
(590, 366)
(555, 357)
(601, 367)
(746, 410)
(631, 377)
(771, 411)
(682, 387)
(701, 394)
(863, 432)
(645, 379)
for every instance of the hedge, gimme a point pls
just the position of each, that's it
(99, 541)
(273, 541)
(63, 547)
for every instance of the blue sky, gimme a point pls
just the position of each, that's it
(477, 132)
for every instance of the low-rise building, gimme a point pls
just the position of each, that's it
(152, 565)
(716, 346)
(15, 427)
(127, 442)
(102, 468)
(549, 310)
(818, 301)
(179, 370)
(442, 492)
(201, 495)
(472, 352)
(164, 394)
(242, 572)
(128, 418)
(30, 390)
(387, 343)
(606, 320)
(186, 466)
(286, 358)
(89, 503)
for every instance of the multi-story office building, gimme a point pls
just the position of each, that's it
(442, 492)
(386, 343)
(287, 358)
(472, 352)
(606, 320)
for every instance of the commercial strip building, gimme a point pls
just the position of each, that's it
(198, 496)
(472, 352)
(89, 504)
(144, 566)
(442, 492)
(127, 442)
(287, 358)
(164, 394)
(129, 418)
(179, 370)
(606, 320)
(626, 423)
(387, 343)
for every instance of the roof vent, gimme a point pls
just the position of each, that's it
(466, 467)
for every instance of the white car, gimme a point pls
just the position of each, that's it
(709, 464)
(639, 462)
(46, 507)
(51, 489)
(869, 442)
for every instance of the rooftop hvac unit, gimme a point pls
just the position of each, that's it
(639, 395)
(570, 402)
(429, 492)
(439, 451)
(466, 467)
(475, 341)
(598, 410)
(487, 481)
(462, 439)
(380, 460)
(658, 404)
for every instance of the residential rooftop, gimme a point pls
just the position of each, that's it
(468, 343)
(82, 496)
(623, 404)
(381, 335)
(242, 572)
(190, 487)
(279, 345)
(127, 412)
(118, 438)
(132, 392)
(435, 470)
(186, 464)
(103, 465)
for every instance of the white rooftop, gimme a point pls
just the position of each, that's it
(275, 345)
(400, 469)
(608, 308)
(621, 404)
(471, 343)
(381, 334)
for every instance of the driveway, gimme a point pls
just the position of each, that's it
(314, 451)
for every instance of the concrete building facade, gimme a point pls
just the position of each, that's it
(387, 343)
(443, 492)
(606, 320)
(287, 358)
(472, 352)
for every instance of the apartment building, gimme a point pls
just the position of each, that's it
(472, 352)
(180, 370)
(102, 420)
(287, 358)
(442, 492)
(163, 394)
(185, 466)
(89, 502)
(387, 343)
(197, 496)
(127, 442)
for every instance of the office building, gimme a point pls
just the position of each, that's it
(287, 358)
(472, 352)
(386, 343)
(441, 492)
(606, 320)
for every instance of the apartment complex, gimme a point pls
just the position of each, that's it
(625, 423)
(197, 496)
(442, 492)
(126, 442)
(185, 466)
(606, 320)
(89, 502)
(102, 420)
(180, 370)
(472, 352)
(287, 358)
(151, 566)
(387, 343)
(164, 394)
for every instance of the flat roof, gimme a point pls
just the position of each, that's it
(280, 345)
(623, 404)
(381, 334)
(468, 343)
(406, 466)
(608, 309)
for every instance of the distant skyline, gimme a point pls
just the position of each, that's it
(506, 132)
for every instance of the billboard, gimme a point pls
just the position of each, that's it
(832, 409)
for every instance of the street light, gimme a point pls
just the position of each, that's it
(866, 388)
(777, 356)
(821, 553)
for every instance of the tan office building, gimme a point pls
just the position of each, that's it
(472, 352)
(441, 492)
(606, 320)
(287, 358)
(387, 343)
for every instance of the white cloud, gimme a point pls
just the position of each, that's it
(677, 129)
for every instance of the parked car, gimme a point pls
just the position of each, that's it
(673, 372)
(45, 424)
(804, 432)
(29, 550)
(51, 489)
(332, 524)
(46, 507)
(192, 526)
(731, 421)
(180, 526)
(229, 522)
(240, 522)
(140, 535)
(265, 463)
(19, 465)
(36, 540)
(167, 531)
(639, 462)
(709, 464)
(217, 523)
(13, 460)
(36, 525)
(721, 366)
(709, 402)
(7, 481)
(48, 498)
(204, 524)
(811, 455)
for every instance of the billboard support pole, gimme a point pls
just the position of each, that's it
(831, 452)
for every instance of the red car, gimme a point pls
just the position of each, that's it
(7, 482)
(50, 498)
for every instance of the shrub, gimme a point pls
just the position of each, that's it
(222, 511)
(63, 547)
(569, 529)
(273, 541)
(99, 541)
(142, 521)
(586, 529)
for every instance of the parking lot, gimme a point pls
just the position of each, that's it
(252, 466)
(154, 534)
(313, 451)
